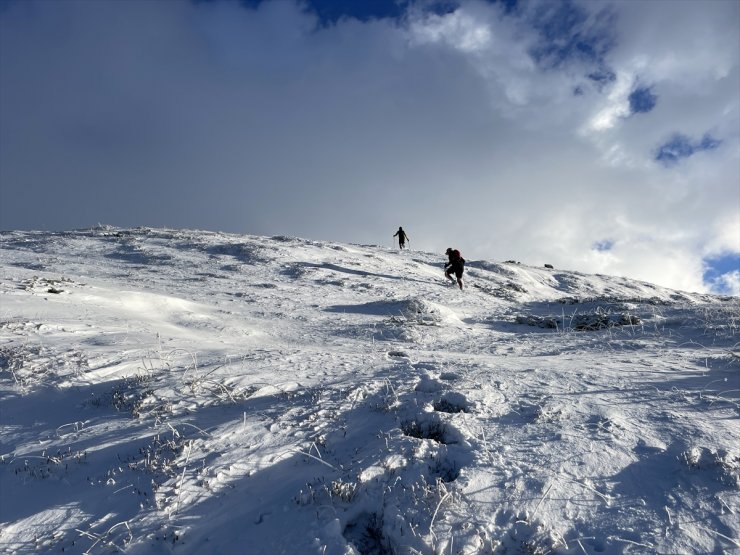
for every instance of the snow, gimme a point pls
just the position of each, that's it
(170, 391)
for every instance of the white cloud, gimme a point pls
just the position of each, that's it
(459, 29)
(615, 105)
(728, 283)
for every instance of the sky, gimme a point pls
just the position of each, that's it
(598, 136)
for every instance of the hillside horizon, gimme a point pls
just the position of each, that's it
(408, 248)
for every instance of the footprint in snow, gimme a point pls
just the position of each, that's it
(452, 402)
(429, 385)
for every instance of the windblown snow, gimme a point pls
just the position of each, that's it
(170, 391)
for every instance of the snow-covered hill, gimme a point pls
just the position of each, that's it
(193, 392)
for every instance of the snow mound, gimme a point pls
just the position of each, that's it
(423, 312)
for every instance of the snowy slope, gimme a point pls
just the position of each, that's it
(194, 392)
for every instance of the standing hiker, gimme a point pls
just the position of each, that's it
(456, 265)
(402, 237)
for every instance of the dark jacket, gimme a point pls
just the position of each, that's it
(456, 262)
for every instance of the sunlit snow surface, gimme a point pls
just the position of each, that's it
(193, 392)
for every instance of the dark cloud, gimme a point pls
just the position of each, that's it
(603, 246)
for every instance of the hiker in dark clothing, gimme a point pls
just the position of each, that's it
(456, 265)
(401, 237)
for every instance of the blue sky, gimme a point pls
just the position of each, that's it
(592, 135)
(330, 11)
(721, 270)
(679, 147)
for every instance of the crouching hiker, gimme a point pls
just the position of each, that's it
(455, 265)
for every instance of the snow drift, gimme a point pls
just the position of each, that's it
(172, 391)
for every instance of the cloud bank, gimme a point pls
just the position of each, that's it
(596, 136)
